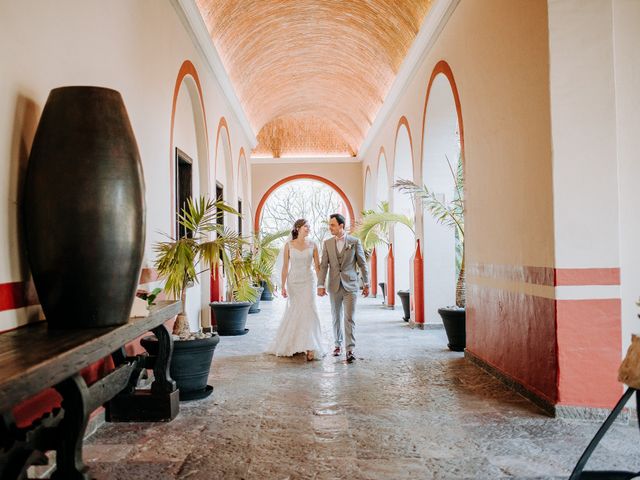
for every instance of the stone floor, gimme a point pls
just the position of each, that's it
(407, 409)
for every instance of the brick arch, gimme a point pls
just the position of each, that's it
(367, 184)
(442, 67)
(187, 69)
(301, 176)
(223, 124)
(403, 121)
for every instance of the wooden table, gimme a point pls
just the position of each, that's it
(34, 358)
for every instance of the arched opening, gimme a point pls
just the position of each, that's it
(243, 193)
(224, 172)
(442, 152)
(189, 148)
(401, 237)
(381, 196)
(302, 196)
(369, 200)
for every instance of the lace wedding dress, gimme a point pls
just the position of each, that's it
(299, 329)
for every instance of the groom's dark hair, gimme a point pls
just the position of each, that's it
(339, 218)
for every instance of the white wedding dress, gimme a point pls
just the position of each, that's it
(299, 329)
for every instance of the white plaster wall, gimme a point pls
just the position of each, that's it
(583, 113)
(134, 47)
(499, 58)
(626, 39)
(347, 176)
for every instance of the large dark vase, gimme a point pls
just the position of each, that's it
(255, 306)
(405, 297)
(267, 294)
(84, 211)
(190, 364)
(230, 317)
(454, 320)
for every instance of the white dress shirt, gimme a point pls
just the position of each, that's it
(340, 243)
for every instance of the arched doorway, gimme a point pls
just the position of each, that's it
(441, 153)
(189, 157)
(225, 184)
(302, 196)
(369, 199)
(244, 193)
(402, 238)
(382, 196)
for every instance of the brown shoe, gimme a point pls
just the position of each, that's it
(336, 352)
(350, 357)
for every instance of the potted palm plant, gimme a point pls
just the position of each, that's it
(178, 261)
(373, 230)
(451, 214)
(261, 258)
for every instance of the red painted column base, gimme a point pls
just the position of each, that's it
(418, 285)
(391, 282)
(374, 273)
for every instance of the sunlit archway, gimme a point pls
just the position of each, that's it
(302, 196)
(382, 195)
(402, 237)
(442, 151)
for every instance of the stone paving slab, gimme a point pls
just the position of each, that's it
(408, 408)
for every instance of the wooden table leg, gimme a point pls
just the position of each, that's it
(163, 382)
(75, 400)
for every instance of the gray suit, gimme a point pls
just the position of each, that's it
(343, 283)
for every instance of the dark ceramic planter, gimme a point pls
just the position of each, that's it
(383, 287)
(190, 364)
(454, 320)
(267, 295)
(230, 317)
(405, 297)
(84, 212)
(255, 306)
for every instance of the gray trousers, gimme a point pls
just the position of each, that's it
(348, 299)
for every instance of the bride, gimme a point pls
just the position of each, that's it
(299, 329)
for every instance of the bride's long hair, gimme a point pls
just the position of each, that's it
(301, 222)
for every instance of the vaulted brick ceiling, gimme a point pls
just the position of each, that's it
(312, 74)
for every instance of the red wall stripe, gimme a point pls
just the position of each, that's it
(547, 275)
(17, 295)
(587, 276)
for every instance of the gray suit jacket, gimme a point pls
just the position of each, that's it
(343, 272)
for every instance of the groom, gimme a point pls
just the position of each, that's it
(340, 255)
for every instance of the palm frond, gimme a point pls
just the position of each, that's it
(373, 228)
(450, 213)
(267, 239)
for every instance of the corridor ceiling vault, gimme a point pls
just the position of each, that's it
(312, 74)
